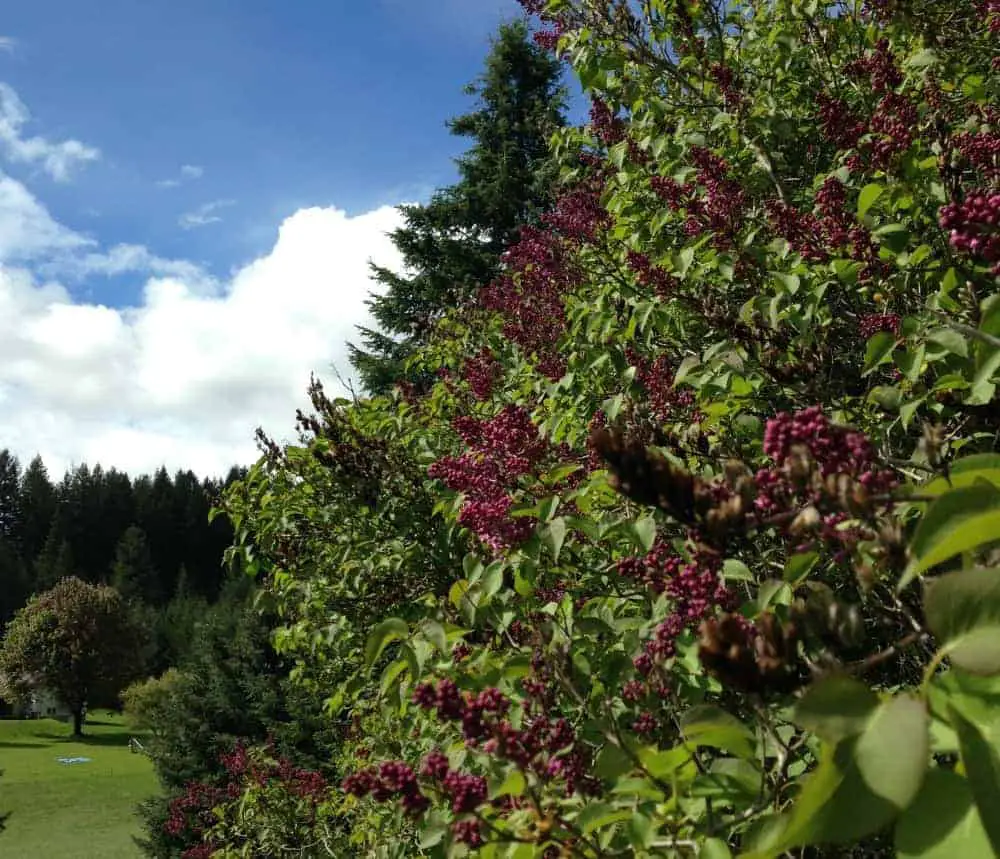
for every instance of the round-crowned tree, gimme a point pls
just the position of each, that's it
(76, 640)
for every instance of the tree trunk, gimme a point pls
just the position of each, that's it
(78, 722)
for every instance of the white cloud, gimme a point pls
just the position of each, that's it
(204, 215)
(187, 171)
(184, 377)
(57, 159)
(27, 230)
(8, 44)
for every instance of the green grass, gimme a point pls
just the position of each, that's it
(78, 811)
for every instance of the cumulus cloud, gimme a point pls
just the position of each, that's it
(58, 159)
(183, 377)
(204, 215)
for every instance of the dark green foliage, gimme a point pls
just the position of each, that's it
(452, 245)
(133, 574)
(232, 686)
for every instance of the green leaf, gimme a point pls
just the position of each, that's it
(643, 532)
(836, 707)
(942, 822)
(951, 340)
(597, 815)
(963, 612)
(879, 350)
(869, 194)
(773, 592)
(799, 566)
(734, 570)
(895, 237)
(714, 848)
(893, 752)
(491, 582)
(860, 785)
(641, 830)
(513, 785)
(612, 763)
(957, 522)
(965, 472)
(683, 260)
(435, 634)
(553, 536)
(706, 725)
(982, 769)
(388, 630)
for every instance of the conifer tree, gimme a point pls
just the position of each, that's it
(452, 245)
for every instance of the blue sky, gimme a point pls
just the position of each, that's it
(283, 105)
(190, 192)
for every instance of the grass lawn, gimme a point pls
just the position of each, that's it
(76, 811)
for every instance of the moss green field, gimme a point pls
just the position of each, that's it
(75, 811)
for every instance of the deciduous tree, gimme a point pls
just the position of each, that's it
(76, 640)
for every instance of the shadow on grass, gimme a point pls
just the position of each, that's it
(116, 738)
(11, 744)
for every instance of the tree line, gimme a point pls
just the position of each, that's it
(149, 537)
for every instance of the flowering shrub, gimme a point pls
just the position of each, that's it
(691, 549)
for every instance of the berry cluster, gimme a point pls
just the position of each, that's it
(973, 226)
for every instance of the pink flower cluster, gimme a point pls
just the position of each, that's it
(729, 86)
(500, 450)
(657, 378)
(839, 125)
(694, 587)
(647, 274)
(481, 372)
(529, 297)
(835, 227)
(879, 67)
(607, 127)
(834, 451)
(873, 323)
(192, 814)
(578, 214)
(717, 209)
(973, 226)
(980, 149)
(547, 747)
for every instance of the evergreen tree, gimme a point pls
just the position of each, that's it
(10, 485)
(133, 574)
(55, 562)
(37, 503)
(13, 578)
(453, 244)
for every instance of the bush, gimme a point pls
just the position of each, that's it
(691, 549)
